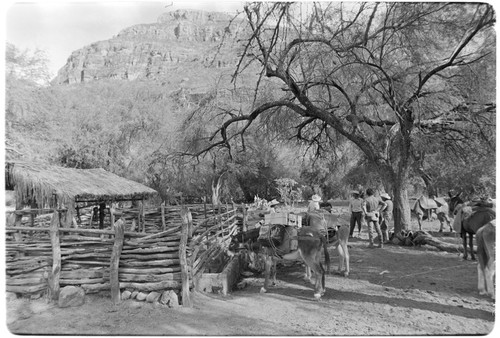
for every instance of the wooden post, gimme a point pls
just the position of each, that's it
(19, 218)
(141, 223)
(245, 217)
(32, 216)
(69, 215)
(205, 207)
(53, 280)
(78, 214)
(163, 224)
(115, 261)
(102, 208)
(186, 297)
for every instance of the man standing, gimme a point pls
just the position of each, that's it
(372, 207)
(386, 216)
(356, 209)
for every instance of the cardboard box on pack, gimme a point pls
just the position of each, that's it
(295, 220)
(284, 219)
(276, 218)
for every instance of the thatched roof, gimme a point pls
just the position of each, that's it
(45, 184)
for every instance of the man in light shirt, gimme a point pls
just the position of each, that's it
(356, 209)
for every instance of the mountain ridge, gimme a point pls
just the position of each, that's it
(200, 41)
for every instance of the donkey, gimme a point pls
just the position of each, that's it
(325, 223)
(485, 238)
(468, 221)
(310, 244)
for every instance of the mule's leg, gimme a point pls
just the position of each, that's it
(340, 250)
(481, 279)
(308, 273)
(346, 258)
(267, 271)
(313, 263)
(464, 243)
(320, 281)
(489, 275)
(274, 261)
(471, 246)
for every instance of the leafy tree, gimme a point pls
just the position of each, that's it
(388, 77)
(26, 65)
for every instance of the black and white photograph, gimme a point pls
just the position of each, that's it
(232, 168)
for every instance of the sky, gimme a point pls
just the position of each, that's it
(61, 27)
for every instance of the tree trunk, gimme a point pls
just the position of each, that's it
(402, 211)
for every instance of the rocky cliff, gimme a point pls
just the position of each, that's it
(180, 47)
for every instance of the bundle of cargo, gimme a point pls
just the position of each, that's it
(283, 218)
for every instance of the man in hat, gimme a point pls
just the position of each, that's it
(386, 216)
(356, 209)
(314, 203)
(272, 205)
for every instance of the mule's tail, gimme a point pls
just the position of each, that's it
(327, 255)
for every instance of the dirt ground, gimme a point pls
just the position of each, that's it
(390, 291)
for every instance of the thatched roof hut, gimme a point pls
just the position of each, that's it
(52, 186)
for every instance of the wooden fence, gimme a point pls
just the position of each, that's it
(171, 250)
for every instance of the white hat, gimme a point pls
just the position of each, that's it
(385, 195)
(316, 198)
(273, 202)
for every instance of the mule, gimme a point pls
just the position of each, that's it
(422, 209)
(485, 238)
(430, 209)
(338, 235)
(468, 221)
(310, 244)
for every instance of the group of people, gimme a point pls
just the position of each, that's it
(376, 212)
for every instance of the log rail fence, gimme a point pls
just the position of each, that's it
(172, 249)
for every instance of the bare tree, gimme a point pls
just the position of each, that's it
(384, 76)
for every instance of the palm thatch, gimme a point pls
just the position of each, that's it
(50, 185)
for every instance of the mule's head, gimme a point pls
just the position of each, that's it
(252, 256)
(455, 200)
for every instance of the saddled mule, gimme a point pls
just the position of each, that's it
(422, 209)
(327, 224)
(310, 245)
(468, 220)
(485, 238)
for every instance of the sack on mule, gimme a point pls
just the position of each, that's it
(271, 234)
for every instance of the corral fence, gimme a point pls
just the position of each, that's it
(173, 247)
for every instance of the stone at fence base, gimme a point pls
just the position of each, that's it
(134, 294)
(71, 296)
(11, 296)
(126, 295)
(153, 297)
(169, 298)
(141, 296)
